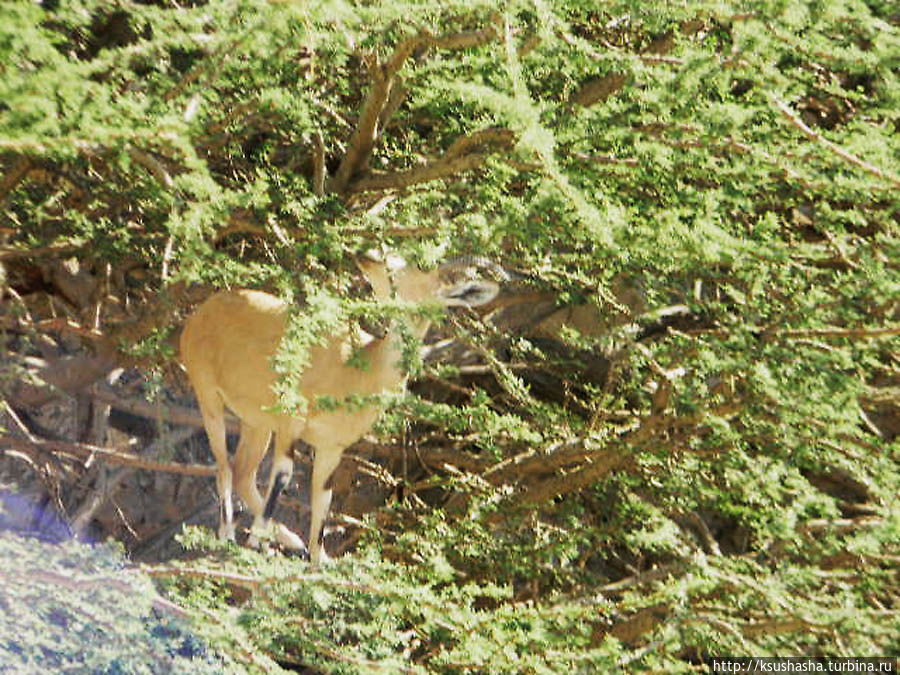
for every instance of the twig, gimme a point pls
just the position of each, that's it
(318, 165)
(644, 577)
(795, 120)
(728, 144)
(264, 583)
(235, 112)
(606, 159)
(768, 334)
(710, 545)
(376, 471)
(83, 583)
(252, 584)
(23, 428)
(167, 257)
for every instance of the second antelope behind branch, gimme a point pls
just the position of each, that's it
(227, 347)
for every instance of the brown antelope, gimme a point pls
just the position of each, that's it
(227, 348)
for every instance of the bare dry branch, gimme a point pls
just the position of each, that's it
(51, 250)
(85, 451)
(156, 411)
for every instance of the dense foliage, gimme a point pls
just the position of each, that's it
(72, 608)
(675, 433)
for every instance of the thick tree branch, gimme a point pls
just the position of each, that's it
(68, 375)
(440, 168)
(600, 466)
(464, 154)
(363, 139)
(465, 39)
(382, 100)
(170, 413)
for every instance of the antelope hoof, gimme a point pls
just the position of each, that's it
(254, 542)
(260, 536)
(226, 532)
(290, 541)
(323, 558)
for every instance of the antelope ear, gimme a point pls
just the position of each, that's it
(470, 293)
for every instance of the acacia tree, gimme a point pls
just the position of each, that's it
(674, 434)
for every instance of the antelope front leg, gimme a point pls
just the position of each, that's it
(326, 461)
(282, 470)
(226, 509)
(213, 415)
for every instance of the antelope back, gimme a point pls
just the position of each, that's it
(227, 346)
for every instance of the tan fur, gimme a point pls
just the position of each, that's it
(227, 347)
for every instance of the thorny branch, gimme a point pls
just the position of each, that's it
(768, 334)
(795, 120)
